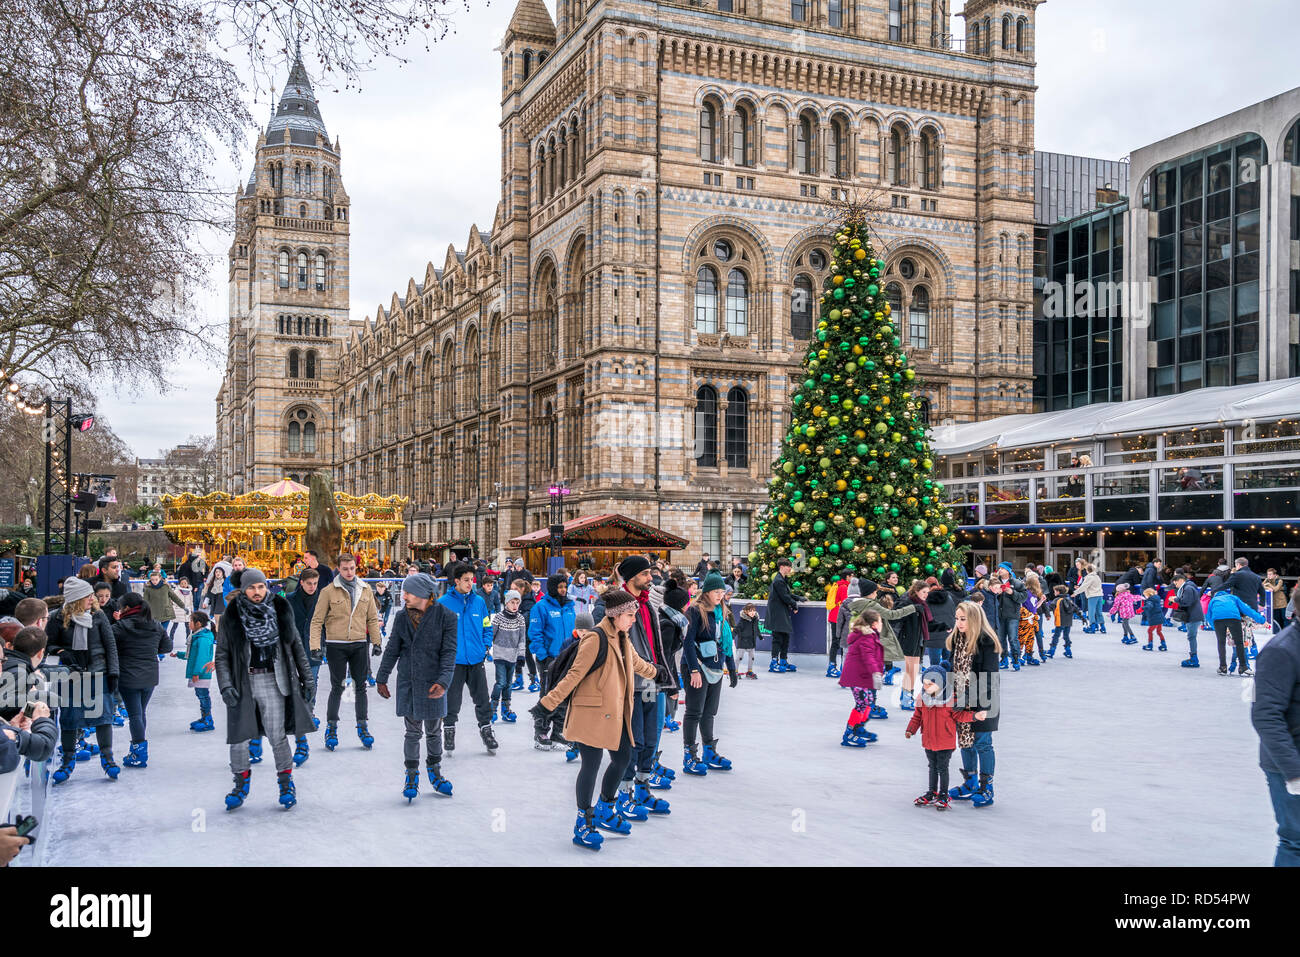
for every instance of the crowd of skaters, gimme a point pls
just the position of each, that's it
(612, 656)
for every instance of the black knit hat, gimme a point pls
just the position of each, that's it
(632, 566)
(675, 596)
(616, 602)
(866, 587)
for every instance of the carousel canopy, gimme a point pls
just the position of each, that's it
(282, 487)
(604, 531)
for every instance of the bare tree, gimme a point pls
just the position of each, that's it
(192, 466)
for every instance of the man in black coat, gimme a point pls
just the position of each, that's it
(1275, 714)
(1245, 584)
(782, 605)
(265, 680)
(1189, 611)
(112, 573)
(302, 601)
(195, 571)
(1132, 578)
(702, 567)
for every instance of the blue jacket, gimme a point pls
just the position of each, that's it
(1225, 604)
(474, 628)
(199, 654)
(550, 625)
(1276, 711)
(1153, 611)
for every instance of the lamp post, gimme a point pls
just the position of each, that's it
(557, 493)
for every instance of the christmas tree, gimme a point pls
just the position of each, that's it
(852, 491)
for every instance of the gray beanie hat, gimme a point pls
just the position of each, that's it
(75, 589)
(510, 596)
(252, 576)
(419, 584)
(582, 621)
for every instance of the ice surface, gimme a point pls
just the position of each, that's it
(1117, 757)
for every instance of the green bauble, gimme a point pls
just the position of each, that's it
(819, 526)
(846, 543)
(888, 490)
(918, 530)
(886, 534)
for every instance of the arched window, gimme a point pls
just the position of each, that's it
(837, 153)
(309, 438)
(302, 210)
(1006, 33)
(805, 153)
(706, 427)
(284, 269)
(295, 438)
(302, 270)
(929, 158)
(737, 434)
(974, 38)
(898, 155)
(306, 178)
(297, 177)
(298, 325)
(737, 303)
(552, 434)
(706, 300)
(541, 174)
(320, 272)
(528, 63)
(801, 307)
(742, 136)
(708, 132)
(1291, 145)
(324, 327)
(1020, 35)
(799, 10)
(918, 319)
(894, 296)
(293, 363)
(925, 411)
(311, 364)
(835, 13)
(988, 34)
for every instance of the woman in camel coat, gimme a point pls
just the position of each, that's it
(600, 710)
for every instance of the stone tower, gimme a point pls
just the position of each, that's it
(288, 300)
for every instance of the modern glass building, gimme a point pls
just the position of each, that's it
(1216, 217)
(1079, 312)
(1189, 478)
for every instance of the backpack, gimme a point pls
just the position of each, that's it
(563, 663)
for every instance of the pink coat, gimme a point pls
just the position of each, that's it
(863, 659)
(1125, 605)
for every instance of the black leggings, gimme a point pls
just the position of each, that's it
(103, 737)
(701, 708)
(618, 762)
(1221, 628)
(527, 659)
(939, 770)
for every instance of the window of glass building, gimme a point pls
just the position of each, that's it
(1205, 257)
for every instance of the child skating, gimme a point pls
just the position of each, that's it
(509, 635)
(199, 656)
(863, 675)
(936, 719)
(1153, 616)
(1062, 610)
(1124, 607)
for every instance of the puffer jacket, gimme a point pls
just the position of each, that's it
(474, 631)
(1125, 605)
(100, 654)
(140, 641)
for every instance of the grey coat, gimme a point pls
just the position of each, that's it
(1276, 711)
(424, 656)
(292, 675)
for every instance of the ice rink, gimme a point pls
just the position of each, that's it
(1117, 757)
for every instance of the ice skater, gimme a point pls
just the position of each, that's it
(1062, 610)
(199, 655)
(704, 654)
(345, 622)
(936, 719)
(509, 637)
(264, 680)
(473, 639)
(1124, 607)
(974, 652)
(1153, 616)
(747, 629)
(423, 649)
(862, 674)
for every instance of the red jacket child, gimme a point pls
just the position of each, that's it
(937, 722)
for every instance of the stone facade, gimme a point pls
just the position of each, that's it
(288, 300)
(628, 324)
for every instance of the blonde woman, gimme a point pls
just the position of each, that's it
(974, 651)
(83, 639)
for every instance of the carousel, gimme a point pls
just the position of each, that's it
(267, 526)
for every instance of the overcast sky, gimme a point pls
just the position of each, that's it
(421, 142)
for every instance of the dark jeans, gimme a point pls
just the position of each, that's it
(1192, 627)
(137, 699)
(780, 644)
(833, 654)
(618, 760)
(1009, 637)
(476, 678)
(1286, 808)
(345, 659)
(981, 756)
(935, 655)
(205, 700)
(315, 682)
(647, 723)
(527, 659)
(501, 687)
(103, 737)
(1059, 634)
(1221, 628)
(555, 725)
(939, 761)
(701, 708)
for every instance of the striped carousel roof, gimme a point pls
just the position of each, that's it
(282, 487)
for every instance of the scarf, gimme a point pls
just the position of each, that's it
(351, 588)
(725, 628)
(130, 611)
(414, 615)
(258, 619)
(643, 613)
(676, 617)
(81, 631)
(961, 683)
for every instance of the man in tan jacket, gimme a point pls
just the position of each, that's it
(346, 619)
